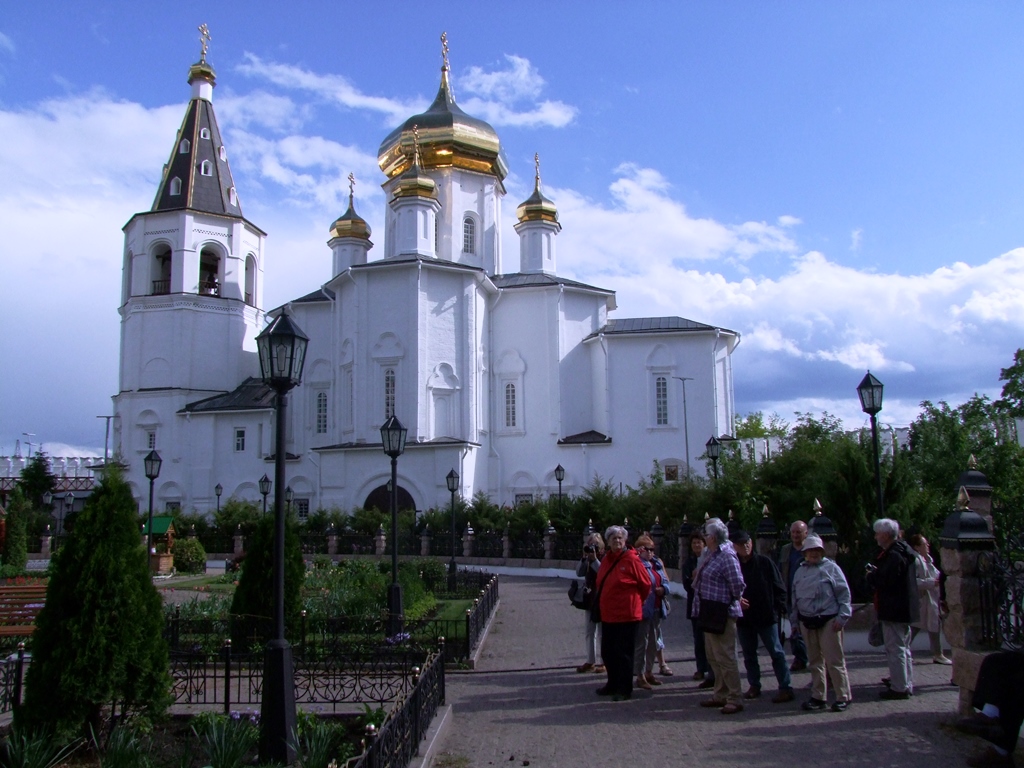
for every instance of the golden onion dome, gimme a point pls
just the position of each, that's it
(448, 138)
(414, 183)
(350, 223)
(537, 207)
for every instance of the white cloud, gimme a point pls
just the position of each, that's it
(494, 96)
(333, 88)
(520, 80)
(6, 44)
(788, 221)
(855, 239)
(260, 109)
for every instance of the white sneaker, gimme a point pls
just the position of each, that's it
(942, 659)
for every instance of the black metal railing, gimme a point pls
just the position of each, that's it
(529, 546)
(568, 546)
(12, 676)
(488, 544)
(209, 288)
(356, 544)
(1001, 583)
(313, 543)
(216, 542)
(397, 740)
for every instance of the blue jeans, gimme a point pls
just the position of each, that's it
(769, 637)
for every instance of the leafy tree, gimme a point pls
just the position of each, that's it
(99, 637)
(1013, 390)
(254, 596)
(236, 512)
(754, 425)
(16, 533)
(37, 479)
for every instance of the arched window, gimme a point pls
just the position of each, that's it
(250, 280)
(510, 405)
(209, 273)
(175, 188)
(468, 235)
(661, 401)
(206, 168)
(204, 133)
(184, 146)
(321, 413)
(436, 235)
(223, 153)
(389, 393)
(162, 271)
(232, 196)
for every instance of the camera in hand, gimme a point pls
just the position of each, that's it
(590, 548)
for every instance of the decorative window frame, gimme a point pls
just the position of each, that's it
(174, 188)
(320, 412)
(387, 353)
(471, 221)
(184, 147)
(660, 365)
(510, 370)
(206, 168)
(239, 441)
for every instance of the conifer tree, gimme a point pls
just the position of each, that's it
(254, 596)
(15, 534)
(99, 638)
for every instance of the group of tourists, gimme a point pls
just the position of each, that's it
(734, 593)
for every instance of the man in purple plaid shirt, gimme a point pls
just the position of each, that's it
(719, 579)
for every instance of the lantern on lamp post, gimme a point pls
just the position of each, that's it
(714, 450)
(559, 476)
(218, 489)
(452, 479)
(870, 393)
(265, 486)
(392, 437)
(152, 464)
(282, 352)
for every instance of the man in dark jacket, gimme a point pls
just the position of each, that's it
(894, 579)
(763, 601)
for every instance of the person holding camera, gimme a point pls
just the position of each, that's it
(590, 563)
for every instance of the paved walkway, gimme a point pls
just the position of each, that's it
(526, 705)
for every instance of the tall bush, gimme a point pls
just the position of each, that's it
(99, 637)
(254, 596)
(15, 536)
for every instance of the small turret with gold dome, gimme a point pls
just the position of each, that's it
(350, 223)
(448, 137)
(537, 207)
(415, 183)
(201, 76)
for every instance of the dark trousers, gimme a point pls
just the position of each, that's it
(799, 647)
(1001, 682)
(617, 642)
(700, 652)
(769, 637)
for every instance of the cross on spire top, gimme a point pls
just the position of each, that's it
(204, 41)
(444, 50)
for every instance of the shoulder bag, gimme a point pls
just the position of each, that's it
(712, 616)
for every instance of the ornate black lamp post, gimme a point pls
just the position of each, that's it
(282, 352)
(714, 449)
(265, 485)
(870, 393)
(218, 489)
(288, 496)
(559, 476)
(69, 507)
(152, 464)
(392, 435)
(452, 478)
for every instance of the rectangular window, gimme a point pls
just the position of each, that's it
(389, 393)
(661, 401)
(239, 440)
(171, 506)
(151, 440)
(349, 397)
(301, 508)
(321, 413)
(671, 473)
(524, 498)
(510, 405)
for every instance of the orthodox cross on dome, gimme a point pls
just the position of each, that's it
(536, 167)
(204, 41)
(416, 145)
(444, 50)
(351, 188)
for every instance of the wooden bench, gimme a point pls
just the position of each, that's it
(19, 606)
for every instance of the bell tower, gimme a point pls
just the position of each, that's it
(192, 284)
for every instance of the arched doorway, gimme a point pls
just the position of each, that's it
(380, 498)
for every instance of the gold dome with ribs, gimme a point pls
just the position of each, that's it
(350, 223)
(537, 207)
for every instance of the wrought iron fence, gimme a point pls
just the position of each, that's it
(356, 544)
(313, 543)
(216, 542)
(489, 544)
(1001, 581)
(399, 736)
(568, 546)
(670, 551)
(528, 546)
(12, 674)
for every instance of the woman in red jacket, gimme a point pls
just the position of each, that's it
(622, 587)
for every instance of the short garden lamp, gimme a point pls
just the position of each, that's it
(47, 498)
(289, 494)
(265, 485)
(714, 450)
(452, 479)
(559, 476)
(218, 489)
(152, 464)
(392, 437)
(69, 506)
(870, 393)
(282, 353)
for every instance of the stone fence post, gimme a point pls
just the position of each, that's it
(239, 542)
(506, 543)
(425, 542)
(821, 526)
(45, 543)
(332, 541)
(965, 536)
(657, 536)
(767, 535)
(467, 541)
(380, 542)
(549, 542)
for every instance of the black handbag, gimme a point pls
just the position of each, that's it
(712, 616)
(576, 595)
(815, 622)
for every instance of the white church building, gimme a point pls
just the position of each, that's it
(499, 367)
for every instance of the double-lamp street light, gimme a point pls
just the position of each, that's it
(870, 393)
(282, 352)
(392, 436)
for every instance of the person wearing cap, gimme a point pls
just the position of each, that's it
(763, 602)
(821, 604)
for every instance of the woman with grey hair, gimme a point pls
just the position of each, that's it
(593, 551)
(718, 585)
(622, 586)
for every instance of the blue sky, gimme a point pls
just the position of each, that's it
(841, 183)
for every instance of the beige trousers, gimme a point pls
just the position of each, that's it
(721, 651)
(825, 653)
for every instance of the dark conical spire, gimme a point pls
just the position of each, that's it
(197, 177)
